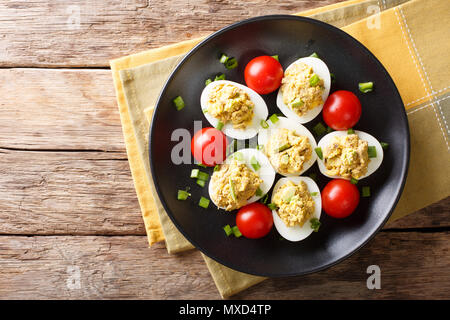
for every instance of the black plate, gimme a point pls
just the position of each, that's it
(383, 116)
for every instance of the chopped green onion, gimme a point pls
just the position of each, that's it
(314, 80)
(297, 103)
(259, 147)
(264, 124)
(315, 224)
(255, 164)
(204, 202)
(333, 78)
(314, 55)
(216, 168)
(350, 131)
(384, 145)
(205, 110)
(258, 192)
(353, 181)
(238, 156)
(179, 103)
(365, 191)
(237, 233)
(319, 129)
(264, 200)
(372, 151)
(228, 230)
(219, 125)
(219, 77)
(201, 165)
(275, 57)
(183, 195)
(202, 176)
(224, 58)
(365, 87)
(201, 182)
(194, 173)
(313, 176)
(231, 63)
(314, 194)
(284, 147)
(232, 190)
(318, 150)
(273, 118)
(272, 206)
(208, 81)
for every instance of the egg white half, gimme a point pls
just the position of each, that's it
(260, 111)
(297, 233)
(290, 124)
(319, 68)
(374, 163)
(266, 173)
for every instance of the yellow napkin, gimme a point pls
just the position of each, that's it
(406, 42)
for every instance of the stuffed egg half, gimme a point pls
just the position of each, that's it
(234, 107)
(288, 145)
(304, 89)
(349, 155)
(298, 203)
(245, 177)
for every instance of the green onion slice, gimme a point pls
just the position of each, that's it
(353, 181)
(259, 147)
(219, 125)
(258, 192)
(365, 191)
(219, 77)
(264, 124)
(232, 190)
(314, 194)
(297, 103)
(276, 57)
(319, 129)
(372, 151)
(179, 103)
(183, 195)
(272, 206)
(194, 173)
(231, 63)
(315, 224)
(365, 87)
(238, 156)
(264, 200)
(333, 78)
(216, 168)
(201, 182)
(350, 131)
(319, 153)
(203, 176)
(273, 118)
(314, 55)
(224, 58)
(284, 147)
(208, 81)
(255, 164)
(236, 232)
(314, 80)
(204, 202)
(227, 230)
(201, 165)
(384, 145)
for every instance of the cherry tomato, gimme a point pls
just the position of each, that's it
(342, 110)
(263, 74)
(254, 220)
(209, 146)
(340, 198)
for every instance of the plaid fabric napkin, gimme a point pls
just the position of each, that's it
(407, 39)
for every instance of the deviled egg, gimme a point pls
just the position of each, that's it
(243, 178)
(298, 205)
(304, 89)
(349, 155)
(233, 108)
(288, 145)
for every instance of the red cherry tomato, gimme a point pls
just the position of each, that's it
(263, 74)
(254, 220)
(340, 198)
(209, 146)
(342, 110)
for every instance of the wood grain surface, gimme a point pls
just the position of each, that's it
(70, 222)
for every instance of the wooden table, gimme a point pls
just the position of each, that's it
(70, 221)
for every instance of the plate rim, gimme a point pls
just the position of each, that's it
(405, 159)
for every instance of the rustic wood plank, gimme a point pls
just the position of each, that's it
(67, 193)
(413, 265)
(90, 33)
(59, 109)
